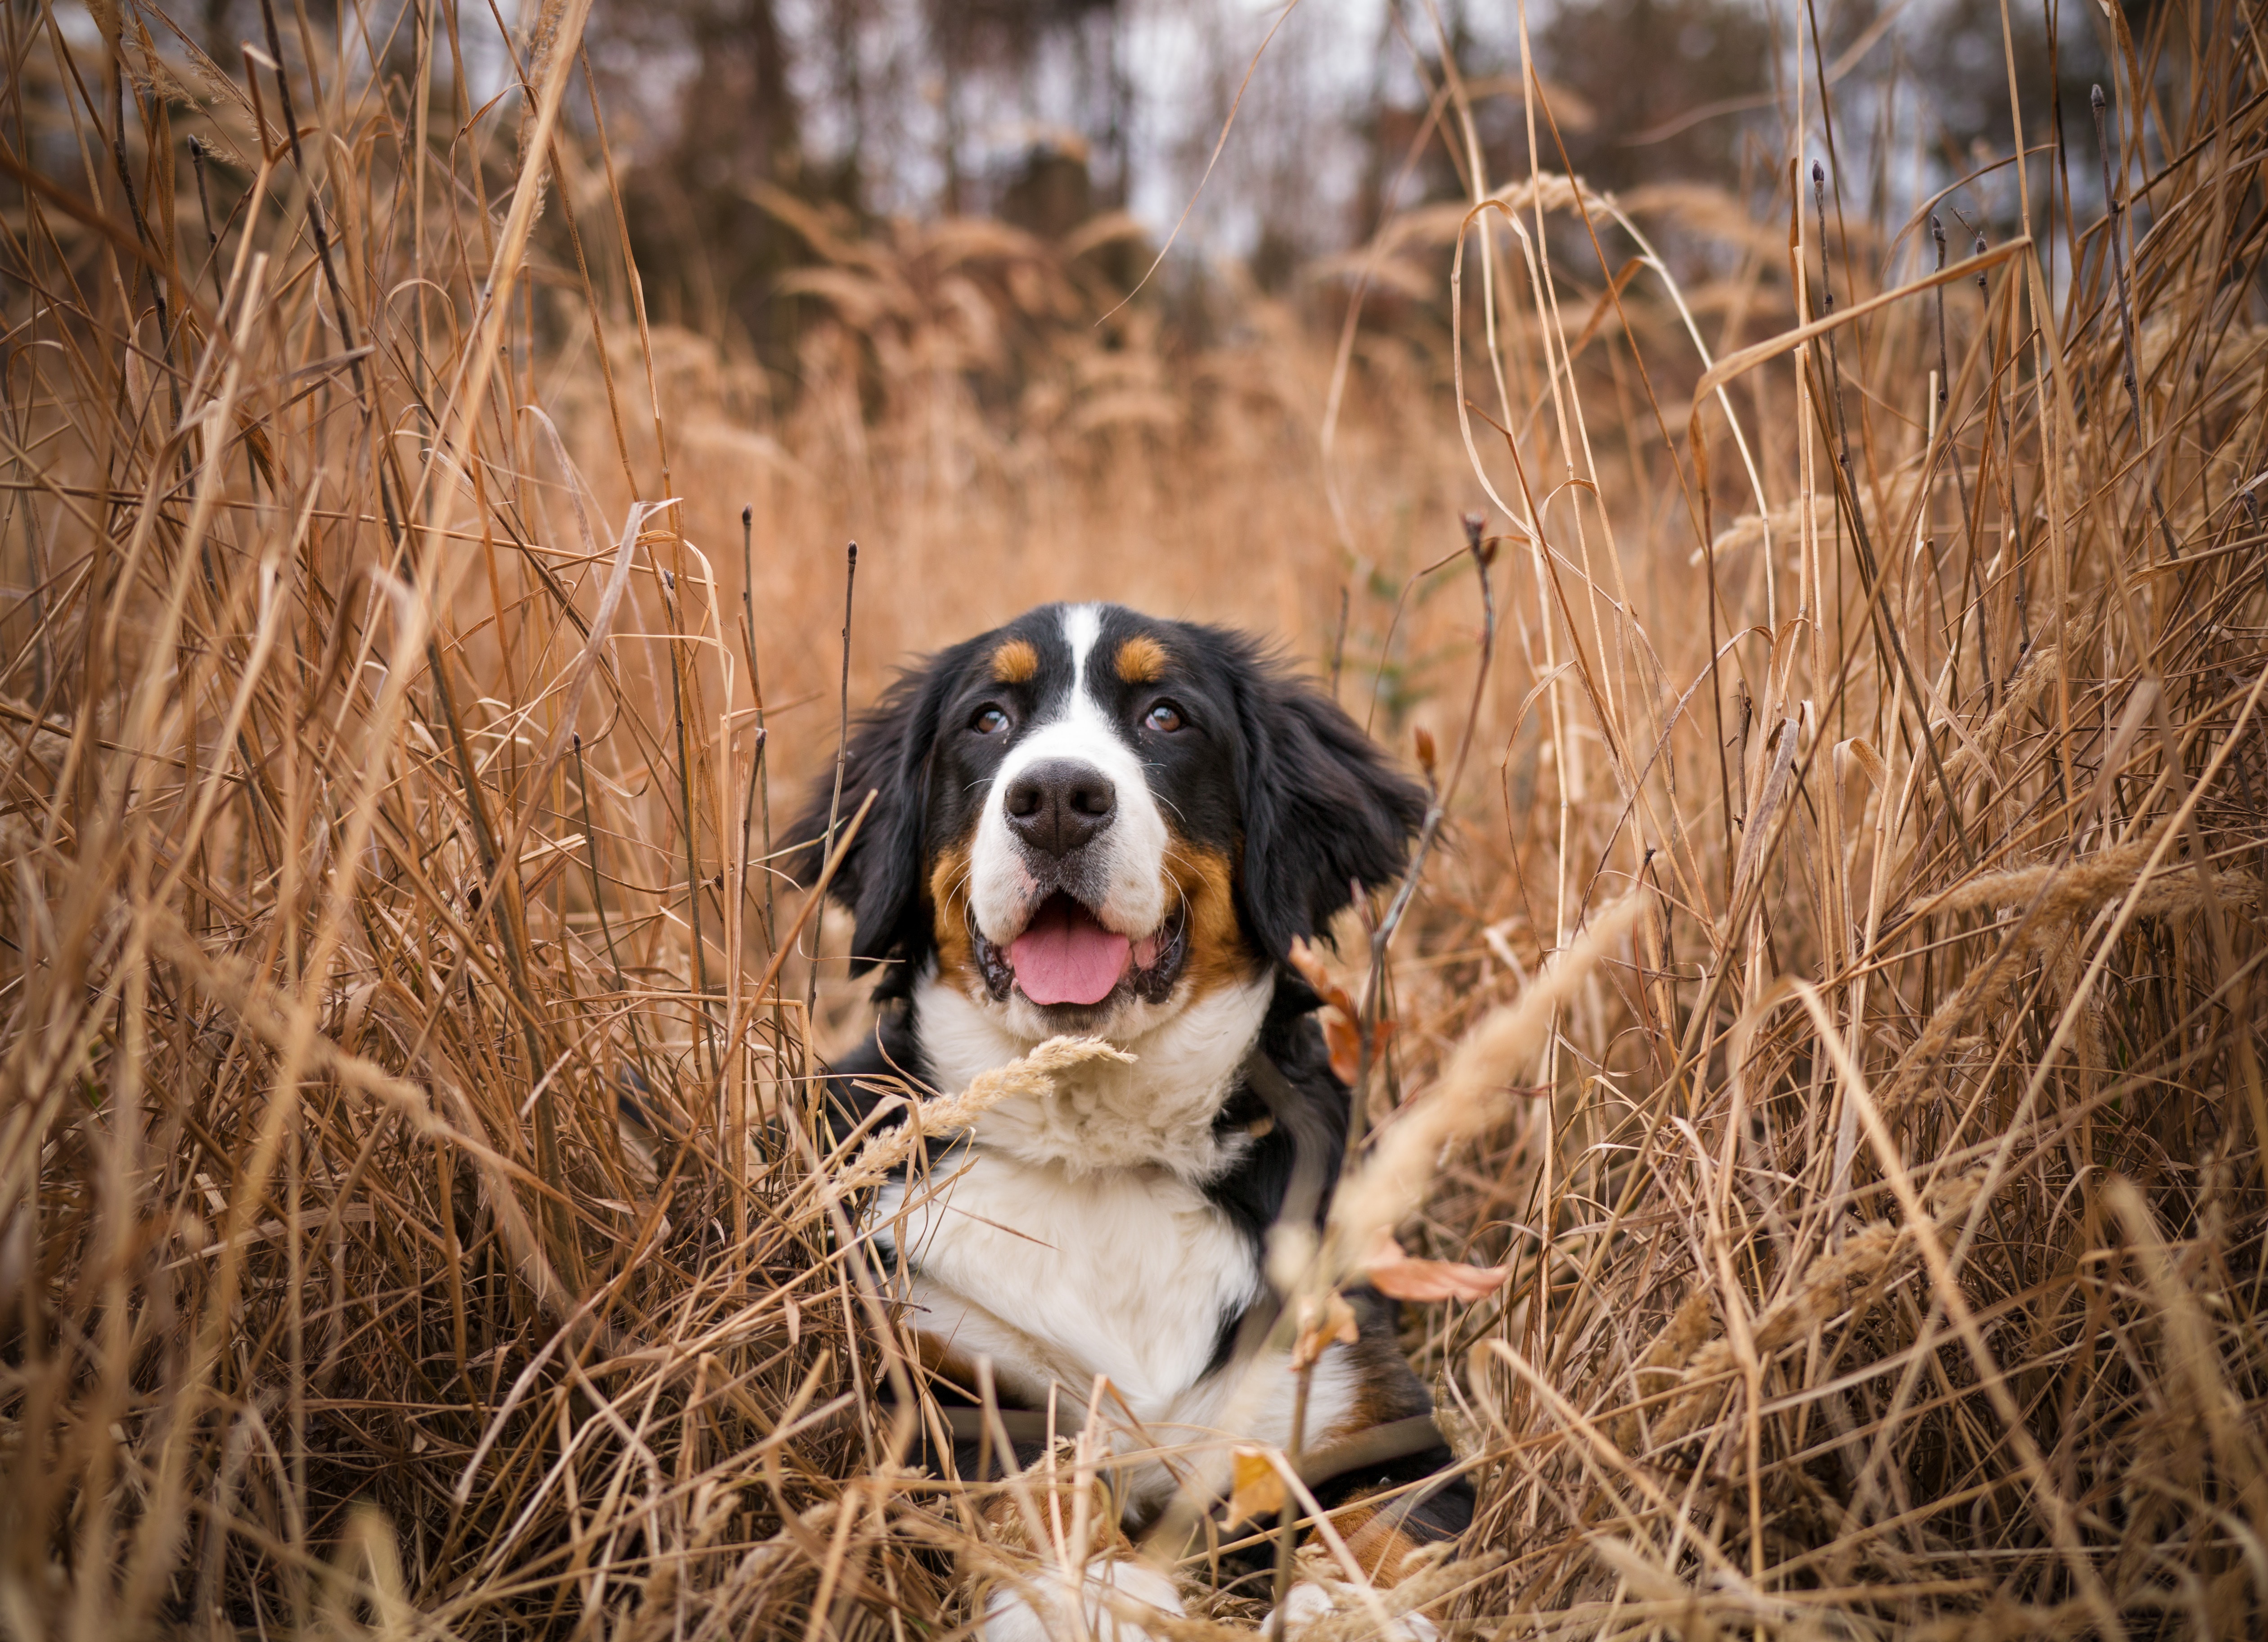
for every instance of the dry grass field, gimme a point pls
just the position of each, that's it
(1835, 994)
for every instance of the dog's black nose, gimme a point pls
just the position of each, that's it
(1059, 804)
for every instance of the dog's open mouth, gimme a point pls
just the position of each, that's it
(1065, 956)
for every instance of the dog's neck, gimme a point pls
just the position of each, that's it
(1158, 1112)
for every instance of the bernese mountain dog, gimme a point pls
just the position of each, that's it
(1094, 822)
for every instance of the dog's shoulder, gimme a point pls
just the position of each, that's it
(1294, 1108)
(886, 1063)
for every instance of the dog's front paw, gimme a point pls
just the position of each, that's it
(1305, 1602)
(1112, 1591)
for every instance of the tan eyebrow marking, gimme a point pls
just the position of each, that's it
(1015, 662)
(1141, 661)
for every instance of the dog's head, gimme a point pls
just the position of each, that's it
(1089, 818)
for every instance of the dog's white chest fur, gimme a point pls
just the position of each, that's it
(1127, 1272)
(1070, 1235)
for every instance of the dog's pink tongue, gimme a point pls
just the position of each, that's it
(1065, 957)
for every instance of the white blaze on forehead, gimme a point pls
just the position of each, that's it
(1082, 625)
(1128, 859)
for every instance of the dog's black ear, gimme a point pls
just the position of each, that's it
(1323, 810)
(880, 878)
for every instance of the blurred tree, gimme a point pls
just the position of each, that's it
(994, 55)
(706, 254)
(1640, 65)
(992, 106)
(1962, 66)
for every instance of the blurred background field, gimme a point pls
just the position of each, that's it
(432, 439)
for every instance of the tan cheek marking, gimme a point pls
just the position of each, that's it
(1014, 662)
(948, 899)
(1219, 954)
(1141, 661)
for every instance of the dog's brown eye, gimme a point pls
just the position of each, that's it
(1165, 717)
(989, 721)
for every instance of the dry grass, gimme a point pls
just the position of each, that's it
(387, 789)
